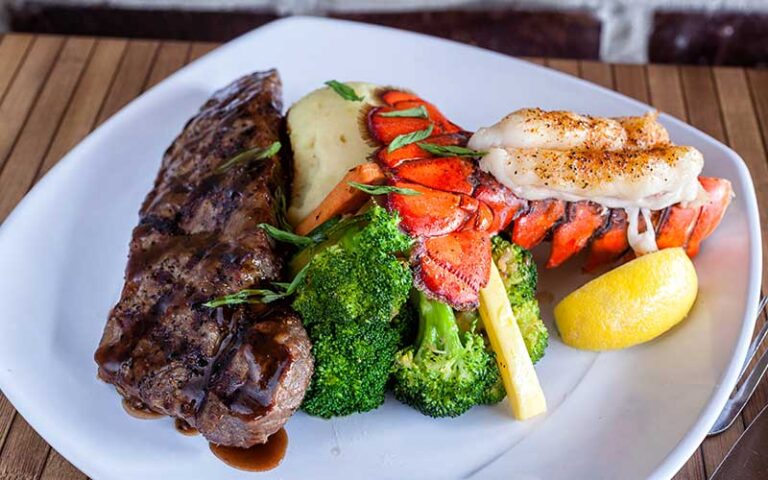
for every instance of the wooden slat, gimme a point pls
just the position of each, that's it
(199, 49)
(130, 77)
(760, 397)
(714, 449)
(58, 468)
(596, 72)
(741, 126)
(81, 114)
(758, 84)
(701, 100)
(32, 143)
(693, 468)
(24, 453)
(24, 89)
(571, 67)
(631, 81)
(13, 49)
(6, 418)
(170, 57)
(665, 90)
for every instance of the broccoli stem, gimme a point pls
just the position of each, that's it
(438, 330)
(445, 372)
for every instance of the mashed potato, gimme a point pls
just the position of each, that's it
(326, 140)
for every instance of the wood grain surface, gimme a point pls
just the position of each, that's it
(54, 90)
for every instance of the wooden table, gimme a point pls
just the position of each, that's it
(54, 90)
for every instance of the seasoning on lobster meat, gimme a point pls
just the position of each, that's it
(645, 193)
(607, 185)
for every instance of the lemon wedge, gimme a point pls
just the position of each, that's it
(631, 304)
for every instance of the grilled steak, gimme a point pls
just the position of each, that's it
(236, 373)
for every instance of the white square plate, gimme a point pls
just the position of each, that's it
(632, 414)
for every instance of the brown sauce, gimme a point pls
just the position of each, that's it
(184, 428)
(258, 458)
(139, 410)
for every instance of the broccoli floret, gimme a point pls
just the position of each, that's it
(494, 391)
(352, 366)
(378, 230)
(517, 268)
(535, 334)
(343, 285)
(518, 272)
(354, 273)
(353, 286)
(470, 321)
(446, 372)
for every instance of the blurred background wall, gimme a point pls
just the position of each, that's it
(731, 32)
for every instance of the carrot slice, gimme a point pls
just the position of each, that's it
(343, 198)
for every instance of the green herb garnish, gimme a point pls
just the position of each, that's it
(408, 138)
(415, 112)
(450, 150)
(345, 91)
(290, 288)
(248, 295)
(286, 236)
(257, 153)
(253, 295)
(382, 189)
(281, 208)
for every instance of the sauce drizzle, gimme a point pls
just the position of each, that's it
(258, 458)
(139, 410)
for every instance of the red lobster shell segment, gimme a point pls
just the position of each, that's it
(458, 208)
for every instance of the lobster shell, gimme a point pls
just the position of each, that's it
(459, 208)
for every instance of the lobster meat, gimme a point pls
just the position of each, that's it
(459, 206)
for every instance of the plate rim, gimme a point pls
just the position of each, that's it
(675, 458)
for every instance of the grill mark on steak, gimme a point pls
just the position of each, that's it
(234, 373)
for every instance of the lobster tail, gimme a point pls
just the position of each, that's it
(457, 208)
(609, 242)
(582, 220)
(719, 195)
